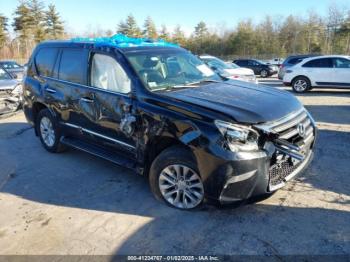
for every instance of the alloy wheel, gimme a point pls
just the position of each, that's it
(181, 186)
(300, 85)
(47, 132)
(264, 73)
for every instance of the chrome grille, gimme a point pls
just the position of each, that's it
(287, 127)
(290, 144)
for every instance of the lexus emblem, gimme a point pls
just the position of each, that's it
(301, 129)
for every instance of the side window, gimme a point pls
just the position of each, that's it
(295, 61)
(212, 63)
(320, 63)
(342, 63)
(73, 66)
(242, 62)
(107, 73)
(45, 61)
(252, 63)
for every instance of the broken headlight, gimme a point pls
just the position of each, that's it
(238, 137)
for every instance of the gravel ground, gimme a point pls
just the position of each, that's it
(74, 203)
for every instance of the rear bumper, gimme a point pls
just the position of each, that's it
(280, 74)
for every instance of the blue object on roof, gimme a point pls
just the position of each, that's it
(120, 40)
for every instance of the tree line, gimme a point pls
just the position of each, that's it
(32, 23)
(276, 36)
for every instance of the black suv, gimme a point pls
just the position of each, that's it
(159, 110)
(259, 68)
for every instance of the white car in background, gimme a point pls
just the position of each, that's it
(320, 71)
(229, 70)
(275, 61)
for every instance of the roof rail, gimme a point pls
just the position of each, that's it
(120, 40)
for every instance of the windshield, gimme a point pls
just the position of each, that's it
(4, 75)
(10, 65)
(170, 69)
(219, 64)
(261, 62)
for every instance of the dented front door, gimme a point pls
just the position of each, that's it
(106, 105)
(103, 114)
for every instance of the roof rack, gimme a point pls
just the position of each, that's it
(120, 40)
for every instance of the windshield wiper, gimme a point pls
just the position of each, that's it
(203, 82)
(169, 88)
(193, 84)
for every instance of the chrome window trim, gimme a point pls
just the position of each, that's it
(98, 134)
(85, 86)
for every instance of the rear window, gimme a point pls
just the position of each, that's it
(320, 63)
(241, 62)
(45, 61)
(295, 61)
(73, 66)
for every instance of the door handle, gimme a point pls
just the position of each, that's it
(50, 90)
(86, 99)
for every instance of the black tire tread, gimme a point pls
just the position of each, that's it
(58, 146)
(309, 87)
(171, 155)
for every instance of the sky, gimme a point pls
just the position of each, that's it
(85, 15)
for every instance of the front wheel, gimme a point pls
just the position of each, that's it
(174, 179)
(48, 131)
(264, 73)
(301, 84)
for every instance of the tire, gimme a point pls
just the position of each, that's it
(175, 180)
(264, 73)
(48, 131)
(301, 84)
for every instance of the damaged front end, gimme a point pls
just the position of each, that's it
(286, 149)
(10, 99)
(291, 149)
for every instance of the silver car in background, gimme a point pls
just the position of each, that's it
(229, 70)
(15, 69)
(10, 93)
(289, 62)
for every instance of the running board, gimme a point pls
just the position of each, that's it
(99, 152)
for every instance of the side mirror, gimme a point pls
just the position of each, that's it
(14, 76)
(214, 68)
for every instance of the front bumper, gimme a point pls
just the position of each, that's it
(234, 176)
(237, 177)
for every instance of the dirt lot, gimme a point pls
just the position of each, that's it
(74, 203)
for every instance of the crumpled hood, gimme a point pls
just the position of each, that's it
(244, 102)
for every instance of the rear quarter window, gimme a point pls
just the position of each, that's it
(73, 66)
(320, 63)
(295, 61)
(45, 61)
